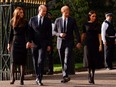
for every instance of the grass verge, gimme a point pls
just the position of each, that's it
(58, 68)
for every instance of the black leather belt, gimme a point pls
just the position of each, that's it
(111, 36)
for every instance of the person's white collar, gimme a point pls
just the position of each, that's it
(108, 20)
(39, 16)
(64, 18)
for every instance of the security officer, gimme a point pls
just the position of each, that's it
(108, 34)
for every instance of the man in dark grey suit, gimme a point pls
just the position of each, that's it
(63, 28)
(40, 37)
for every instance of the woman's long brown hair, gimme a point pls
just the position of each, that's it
(16, 18)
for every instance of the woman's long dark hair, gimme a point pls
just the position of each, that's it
(90, 13)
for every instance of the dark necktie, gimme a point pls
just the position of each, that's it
(64, 30)
(40, 21)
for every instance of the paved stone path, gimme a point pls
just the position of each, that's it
(103, 78)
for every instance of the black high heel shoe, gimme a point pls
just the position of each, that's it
(21, 83)
(22, 80)
(91, 80)
(12, 82)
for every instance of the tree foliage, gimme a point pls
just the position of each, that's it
(79, 10)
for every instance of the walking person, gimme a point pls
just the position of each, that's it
(63, 29)
(41, 40)
(50, 61)
(109, 39)
(50, 58)
(17, 43)
(93, 44)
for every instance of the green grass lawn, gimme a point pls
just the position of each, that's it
(58, 68)
(79, 66)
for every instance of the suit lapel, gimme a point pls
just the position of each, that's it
(43, 21)
(36, 21)
(61, 23)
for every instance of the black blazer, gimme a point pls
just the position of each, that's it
(71, 27)
(40, 36)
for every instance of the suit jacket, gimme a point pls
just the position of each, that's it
(71, 27)
(41, 36)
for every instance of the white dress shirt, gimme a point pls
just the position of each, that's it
(41, 19)
(103, 31)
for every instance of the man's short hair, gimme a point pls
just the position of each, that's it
(64, 8)
(41, 7)
(108, 14)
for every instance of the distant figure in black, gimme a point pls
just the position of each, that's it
(50, 52)
(109, 40)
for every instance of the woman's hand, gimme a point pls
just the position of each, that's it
(79, 45)
(29, 45)
(9, 47)
(100, 48)
(48, 48)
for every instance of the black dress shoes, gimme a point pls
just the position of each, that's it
(12, 82)
(66, 79)
(39, 83)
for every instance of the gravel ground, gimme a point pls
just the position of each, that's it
(103, 78)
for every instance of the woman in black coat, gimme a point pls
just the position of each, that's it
(92, 37)
(17, 43)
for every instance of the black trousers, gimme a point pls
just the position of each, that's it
(50, 60)
(65, 54)
(39, 55)
(109, 52)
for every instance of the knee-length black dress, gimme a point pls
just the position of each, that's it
(18, 39)
(92, 57)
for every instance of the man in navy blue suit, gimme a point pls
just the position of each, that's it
(40, 36)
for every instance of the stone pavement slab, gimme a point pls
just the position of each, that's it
(103, 78)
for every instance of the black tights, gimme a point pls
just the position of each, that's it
(91, 72)
(22, 68)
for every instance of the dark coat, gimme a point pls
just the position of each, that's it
(40, 35)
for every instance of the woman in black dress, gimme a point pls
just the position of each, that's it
(93, 44)
(17, 43)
